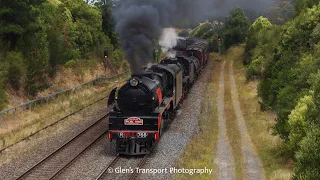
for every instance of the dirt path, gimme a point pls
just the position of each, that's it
(253, 166)
(224, 159)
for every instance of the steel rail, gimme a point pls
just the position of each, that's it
(42, 161)
(142, 162)
(76, 157)
(50, 125)
(113, 162)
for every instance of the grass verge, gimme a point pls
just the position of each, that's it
(29, 122)
(233, 131)
(259, 123)
(200, 151)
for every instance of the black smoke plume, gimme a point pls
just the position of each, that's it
(139, 22)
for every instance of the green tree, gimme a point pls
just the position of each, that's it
(3, 96)
(281, 13)
(58, 23)
(16, 16)
(299, 123)
(202, 30)
(308, 157)
(236, 27)
(108, 21)
(305, 133)
(286, 67)
(252, 41)
(37, 36)
(16, 69)
(209, 32)
(301, 5)
(37, 63)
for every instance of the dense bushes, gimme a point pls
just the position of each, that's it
(286, 60)
(38, 36)
(301, 5)
(236, 28)
(3, 95)
(308, 157)
(15, 69)
(254, 38)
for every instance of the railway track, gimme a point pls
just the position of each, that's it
(132, 163)
(56, 122)
(112, 171)
(105, 170)
(56, 162)
(141, 163)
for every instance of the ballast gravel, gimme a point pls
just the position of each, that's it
(175, 138)
(17, 159)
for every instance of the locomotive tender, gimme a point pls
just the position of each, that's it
(151, 97)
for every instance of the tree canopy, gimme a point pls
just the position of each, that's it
(286, 61)
(236, 28)
(38, 36)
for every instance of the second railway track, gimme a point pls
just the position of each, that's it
(120, 168)
(126, 167)
(53, 164)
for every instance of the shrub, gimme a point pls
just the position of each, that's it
(254, 69)
(201, 30)
(236, 27)
(308, 157)
(299, 123)
(70, 64)
(252, 40)
(37, 63)
(3, 96)
(16, 69)
(117, 58)
(14, 76)
(72, 53)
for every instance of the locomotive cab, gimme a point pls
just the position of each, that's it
(175, 84)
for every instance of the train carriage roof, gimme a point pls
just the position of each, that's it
(197, 48)
(173, 69)
(188, 58)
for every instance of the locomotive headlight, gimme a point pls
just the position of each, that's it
(134, 82)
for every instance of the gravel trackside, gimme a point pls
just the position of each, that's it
(174, 140)
(17, 159)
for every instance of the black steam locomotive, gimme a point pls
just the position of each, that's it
(151, 97)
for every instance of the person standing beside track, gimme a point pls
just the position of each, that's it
(105, 59)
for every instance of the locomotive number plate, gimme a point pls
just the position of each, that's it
(142, 134)
(133, 121)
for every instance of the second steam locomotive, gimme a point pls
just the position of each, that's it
(151, 97)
